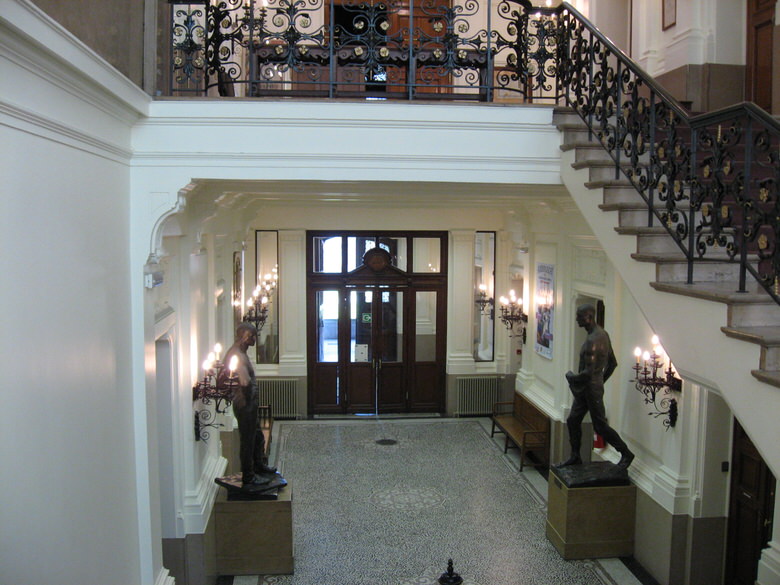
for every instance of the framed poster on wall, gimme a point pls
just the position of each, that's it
(545, 309)
(668, 13)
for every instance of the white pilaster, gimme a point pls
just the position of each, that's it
(460, 359)
(292, 306)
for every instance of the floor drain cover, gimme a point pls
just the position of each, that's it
(387, 442)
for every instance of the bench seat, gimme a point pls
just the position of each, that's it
(525, 427)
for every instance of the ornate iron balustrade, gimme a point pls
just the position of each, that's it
(711, 180)
(364, 48)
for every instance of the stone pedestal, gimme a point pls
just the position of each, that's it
(255, 537)
(586, 520)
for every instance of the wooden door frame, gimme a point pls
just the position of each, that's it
(764, 498)
(396, 279)
(759, 13)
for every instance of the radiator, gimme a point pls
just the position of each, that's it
(477, 394)
(281, 394)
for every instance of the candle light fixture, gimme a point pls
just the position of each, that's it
(656, 383)
(217, 386)
(257, 305)
(512, 314)
(484, 302)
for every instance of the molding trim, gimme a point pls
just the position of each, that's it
(769, 565)
(164, 578)
(199, 502)
(517, 165)
(346, 123)
(57, 56)
(670, 491)
(49, 129)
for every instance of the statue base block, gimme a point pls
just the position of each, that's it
(255, 537)
(237, 491)
(588, 518)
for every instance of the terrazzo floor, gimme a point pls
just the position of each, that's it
(390, 501)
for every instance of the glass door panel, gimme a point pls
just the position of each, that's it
(425, 326)
(328, 326)
(360, 375)
(326, 390)
(427, 368)
(390, 362)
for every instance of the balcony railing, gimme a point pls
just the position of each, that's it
(364, 48)
(710, 180)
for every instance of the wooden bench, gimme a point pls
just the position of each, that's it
(525, 426)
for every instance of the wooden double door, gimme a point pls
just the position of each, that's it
(376, 339)
(380, 351)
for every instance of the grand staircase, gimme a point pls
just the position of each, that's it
(716, 336)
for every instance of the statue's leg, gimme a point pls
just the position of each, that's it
(601, 426)
(574, 423)
(260, 463)
(248, 431)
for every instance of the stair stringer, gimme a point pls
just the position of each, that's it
(690, 327)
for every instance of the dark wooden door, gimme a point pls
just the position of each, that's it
(377, 330)
(427, 322)
(428, 27)
(758, 74)
(751, 510)
(375, 364)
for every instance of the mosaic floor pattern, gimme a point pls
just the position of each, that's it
(390, 501)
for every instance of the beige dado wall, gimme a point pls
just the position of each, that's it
(707, 87)
(112, 28)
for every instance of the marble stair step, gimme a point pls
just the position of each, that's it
(772, 378)
(600, 170)
(753, 308)
(674, 268)
(768, 337)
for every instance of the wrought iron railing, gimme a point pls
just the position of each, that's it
(363, 48)
(711, 180)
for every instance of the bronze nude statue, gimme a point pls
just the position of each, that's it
(255, 473)
(597, 362)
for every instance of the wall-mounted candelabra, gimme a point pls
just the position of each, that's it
(257, 305)
(512, 315)
(484, 302)
(216, 386)
(656, 382)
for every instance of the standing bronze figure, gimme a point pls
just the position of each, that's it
(245, 399)
(597, 362)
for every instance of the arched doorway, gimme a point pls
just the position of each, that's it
(376, 315)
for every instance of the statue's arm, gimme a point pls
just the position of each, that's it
(588, 361)
(243, 373)
(611, 364)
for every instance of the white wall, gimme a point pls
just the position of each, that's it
(706, 31)
(70, 497)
